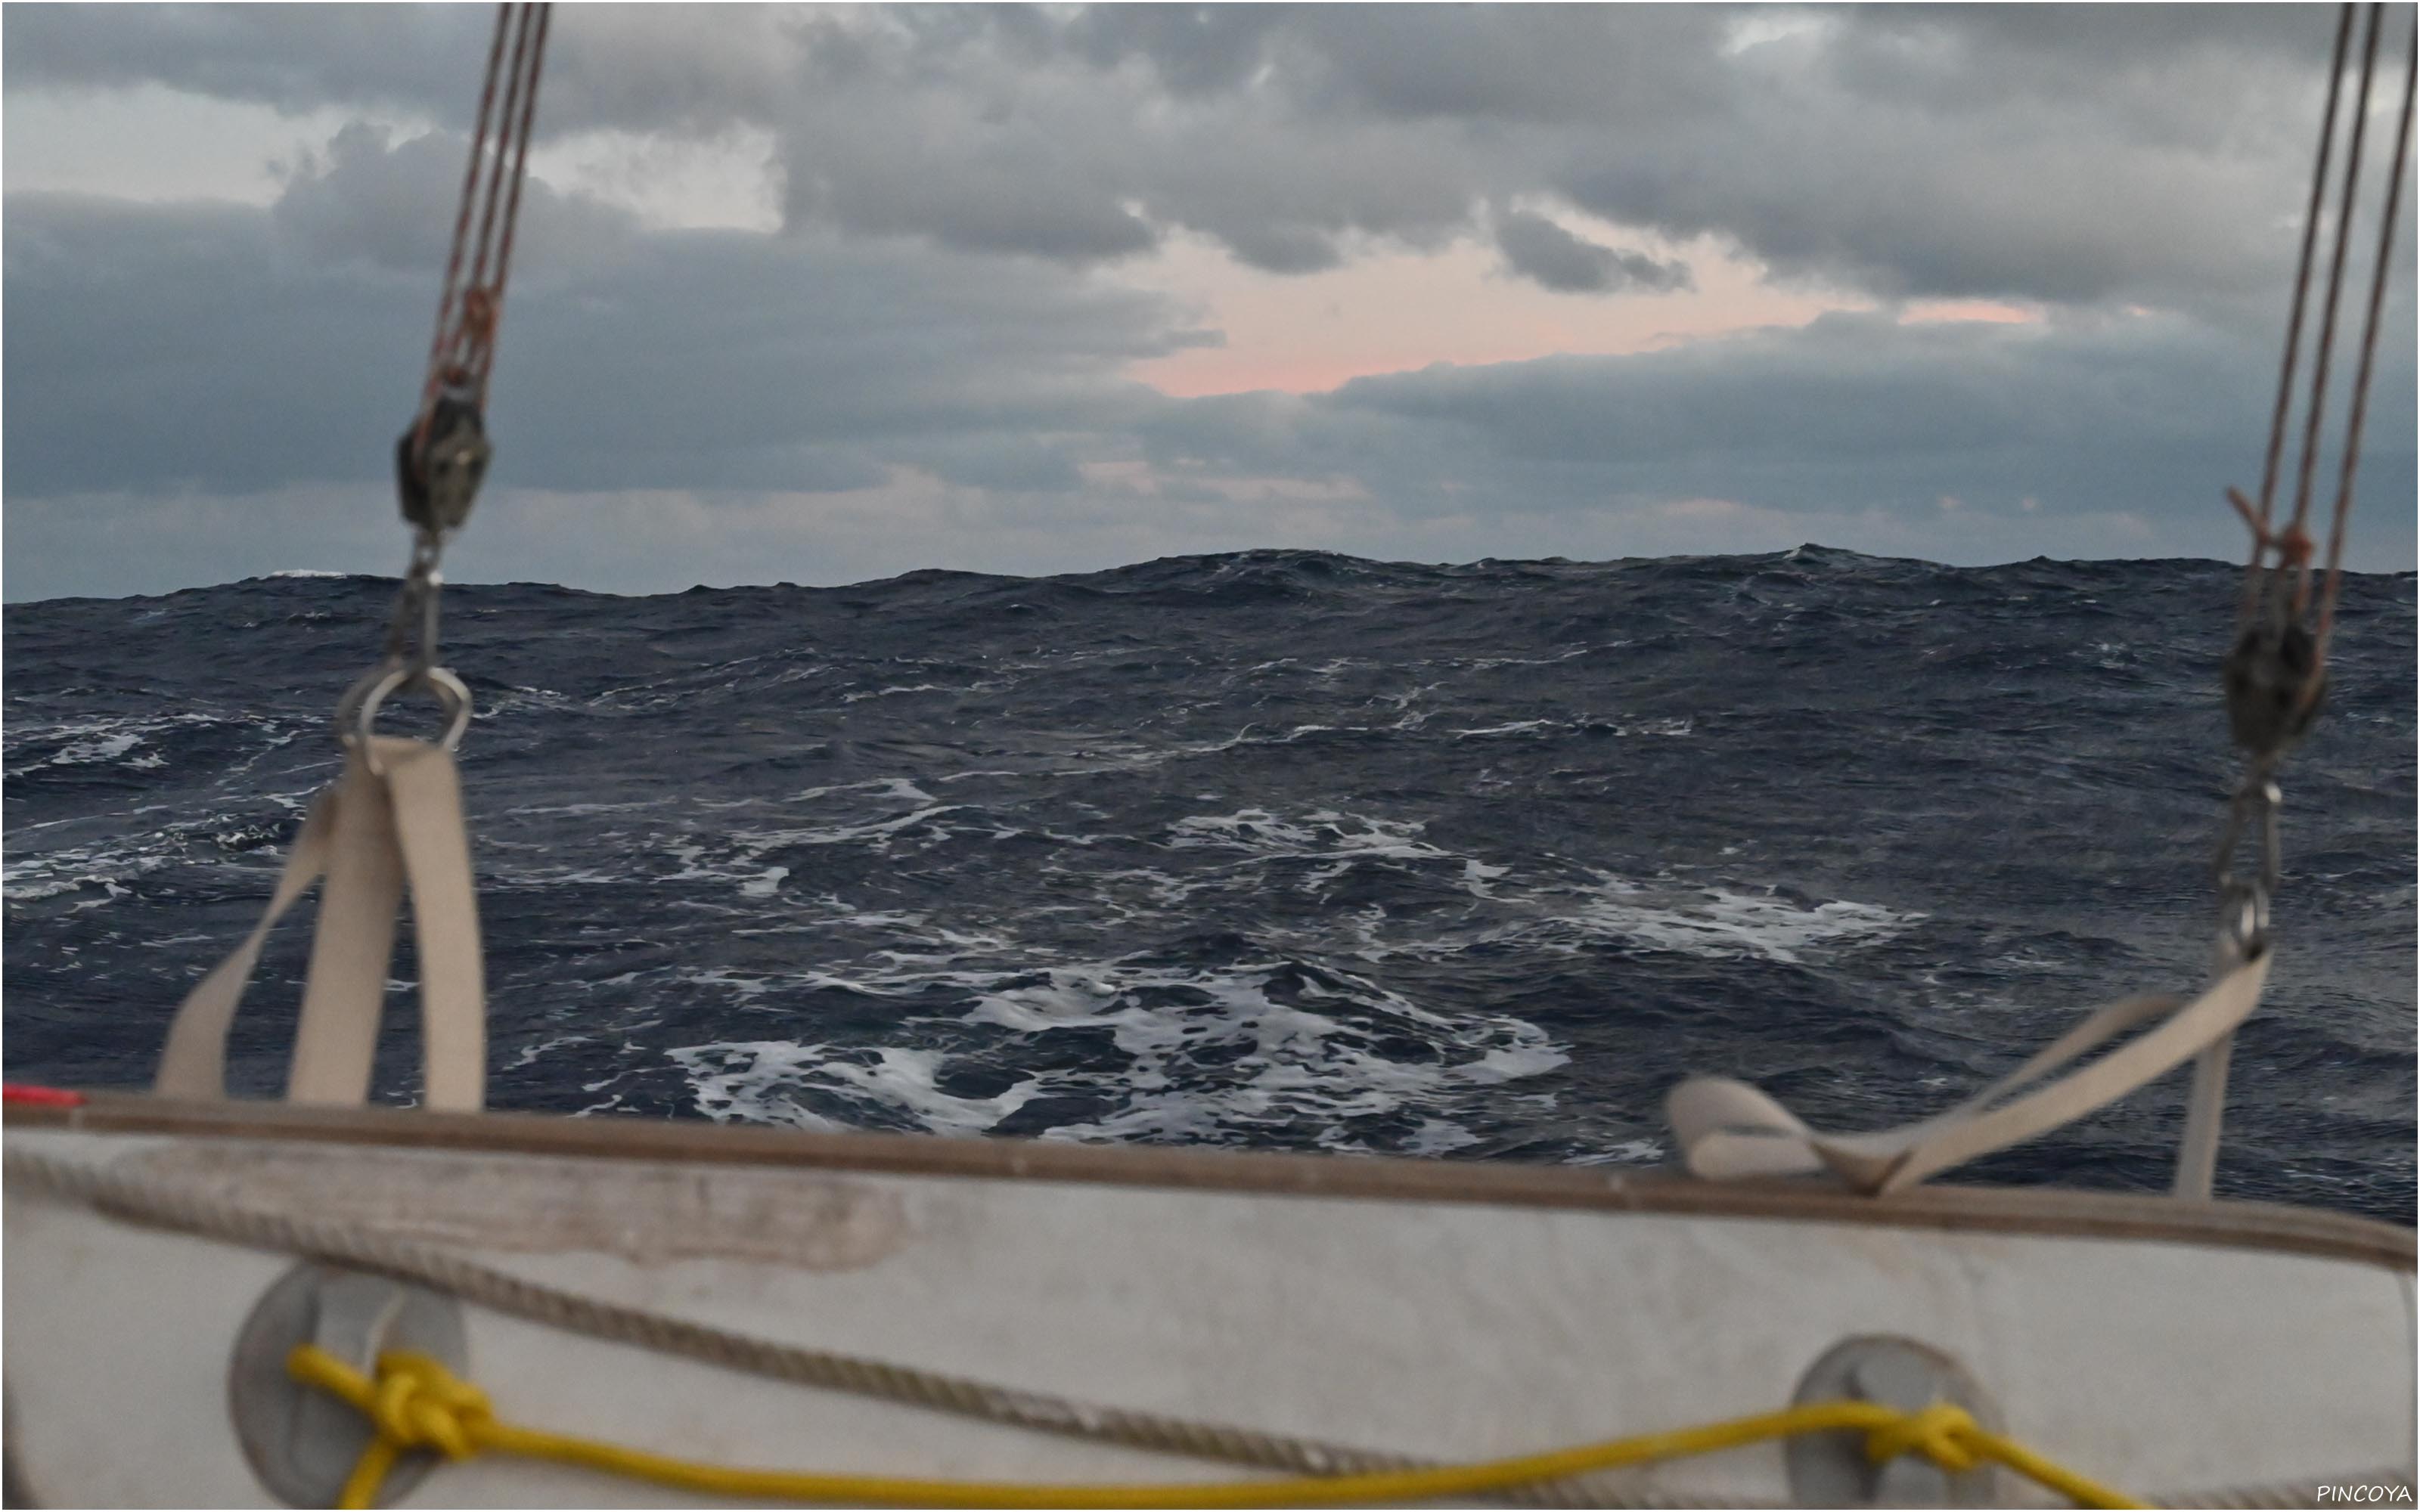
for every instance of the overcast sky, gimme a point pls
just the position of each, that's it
(822, 295)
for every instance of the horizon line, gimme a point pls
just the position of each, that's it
(1784, 554)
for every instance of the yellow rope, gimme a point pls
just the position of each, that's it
(414, 1402)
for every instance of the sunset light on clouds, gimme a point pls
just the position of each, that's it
(1388, 309)
(866, 290)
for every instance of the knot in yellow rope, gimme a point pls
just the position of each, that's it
(413, 1402)
(1943, 1433)
(422, 1405)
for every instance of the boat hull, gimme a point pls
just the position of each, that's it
(1420, 1309)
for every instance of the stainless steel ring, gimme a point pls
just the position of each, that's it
(448, 688)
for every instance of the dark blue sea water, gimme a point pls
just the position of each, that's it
(1278, 849)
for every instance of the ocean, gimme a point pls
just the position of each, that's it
(1276, 849)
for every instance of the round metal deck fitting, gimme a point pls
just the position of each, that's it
(302, 1443)
(1832, 1469)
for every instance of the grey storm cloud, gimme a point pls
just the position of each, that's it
(2146, 416)
(1539, 249)
(233, 348)
(2146, 154)
(293, 57)
(213, 388)
(637, 67)
(230, 350)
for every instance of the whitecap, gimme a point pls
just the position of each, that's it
(1719, 923)
(1201, 1054)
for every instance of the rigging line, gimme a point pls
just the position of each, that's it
(446, 294)
(2387, 218)
(461, 351)
(2294, 320)
(493, 196)
(475, 323)
(2298, 539)
(512, 206)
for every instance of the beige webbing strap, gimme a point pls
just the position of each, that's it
(384, 824)
(427, 798)
(2205, 1106)
(193, 1062)
(344, 991)
(1727, 1128)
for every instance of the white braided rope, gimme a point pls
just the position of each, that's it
(155, 1204)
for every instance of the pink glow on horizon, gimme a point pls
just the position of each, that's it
(1395, 310)
(1989, 312)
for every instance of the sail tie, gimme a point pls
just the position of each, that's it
(393, 821)
(1728, 1129)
